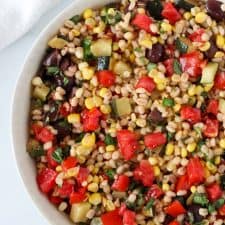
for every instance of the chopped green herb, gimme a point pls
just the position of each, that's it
(150, 203)
(53, 70)
(181, 46)
(138, 49)
(76, 19)
(151, 66)
(200, 144)
(110, 174)
(111, 16)
(109, 140)
(66, 152)
(170, 136)
(211, 208)
(65, 80)
(198, 131)
(79, 137)
(57, 155)
(168, 102)
(86, 44)
(36, 103)
(200, 223)
(218, 203)
(204, 94)
(200, 199)
(177, 67)
(37, 152)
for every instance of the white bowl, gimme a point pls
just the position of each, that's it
(20, 110)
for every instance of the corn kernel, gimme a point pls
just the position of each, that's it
(208, 87)
(207, 173)
(105, 109)
(193, 189)
(211, 167)
(72, 172)
(115, 46)
(219, 54)
(156, 171)
(95, 199)
(89, 140)
(93, 187)
(169, 149)
(132, 58)
(177, 107)
(83, 150)
(220, 41)
(200, 17)
(87, 73)
(191, 90)
(199, 89)
(87, 13)
(103, 92)
(73, 118)
(187, 15)
(110, 148)
(191, 147)
(154, 40)
(205, 47)
(96, 179)
(90, 22)
(95, 170)
(153, 161)
(58, 169)
(217, 160)
(109, 205)
(100, 28)
(89, 179)
(97, 101)
(165, 187)
(222, 143)
(81, 159)
(89, 103)
(75, 32)
(183, 153)
(161, 86)
(166, 27)
(146, 42)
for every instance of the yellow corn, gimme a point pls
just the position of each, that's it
(58, 169)
(95, 170)
(105, 109)
(211, 167)
(161, 86)
(90, 22)
(90, 178)
(169, 149)
(93, 187)
(87, 13)
(220, 41)
(199, 89)
(217, 160)
(222, 143)
(177, 107)
(72, 172)
(88, 140)
(154, 40)
(219, 54)
(89, 103)
(183, 153)
(205, 46)
(95, 199)
(193, 189)
(88, 73)
(200, 17)
(187, 15)
(157, 171)
(208, 87)
(83, 150)
(73, 118)
(103, 92)
(109, 205)
(100, 28)
(191, 147)
(75, 32)
(115, 46)
(192, 90)
(132, 58)
(96, 179)
(166, 27)
(207, 173)
(165, 187)
(146, 42)
(110, 148)
(97, 101)
(153, 161)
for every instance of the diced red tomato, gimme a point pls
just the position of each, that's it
(64, 109)
(154, 140)
(213, 107)
(197, 35)
(154, 192)
(171, 13)
(143, 22)
(106, 78)
(51, 162)
(55, 200)
(214, 192)
(219, 82)
(66, 190)
(122, 209)
(82, 175)
(174, 223)
(144, 173)
(42, 134)
(46, 180)
(211, 128)
(182, 183)
(90, 119)
(192, 63)
(169, 67)
(175, 209)
(195, 171)
(69, 163)
(78, 196)
(128, 144)
(129, 218)
(222, 210)
(147, 83)
(121, 183)
(112, 218)
(191, 114)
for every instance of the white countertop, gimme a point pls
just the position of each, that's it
(16, 207)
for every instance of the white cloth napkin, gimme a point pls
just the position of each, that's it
(18, 16)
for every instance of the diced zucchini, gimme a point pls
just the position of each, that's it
(103, 63)
(41, 92)
(222, 105)
(208, 73)
(154, 7)
(78, 212)
(57, 43)
(121, 67)
(121, 106)
(102, 47)
(96, 221)
(186, 4)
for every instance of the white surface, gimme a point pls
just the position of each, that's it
(25, 13)
(16, 206)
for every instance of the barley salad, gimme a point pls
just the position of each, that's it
(128, 115)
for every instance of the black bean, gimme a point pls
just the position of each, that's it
(63, 128)
(67, 83)
(156, 54)
(53, 114)
(194, 211)
(168, 220)
(212, 50)
(214, 10)
(156, 117)
(65, 63)
(53, 58)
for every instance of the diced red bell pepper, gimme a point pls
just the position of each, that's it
(51, 162)
(147, 83)
(82, 175)
(213, 107)
(222, 210)
(64, 109)
(112, 218)
(78, 196)
(174, 223)
(169, 67)
(143, 22)
(122, 209)
(42, 134)
(191, 114)
(154, 192)
(171, 13)
(129, 217)
(90, 119)
(219, 82)
(182, 183)
(69, 163)
(192, 63)
(195, 171)
(128, 144)
(55, 200)
(197, 35)
(175, 209)
(214, 192)
(144, 173)
(121, 183)
(66, 190)
(211, 128)
(106, 78)
(46, 180)
(154, 140)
